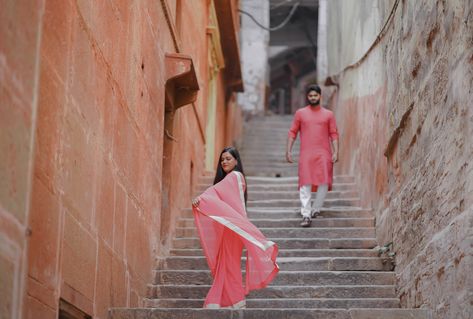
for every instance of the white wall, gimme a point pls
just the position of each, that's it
(254, 55)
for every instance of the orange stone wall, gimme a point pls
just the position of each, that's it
(81, 150)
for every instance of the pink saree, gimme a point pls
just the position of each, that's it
(224, 230)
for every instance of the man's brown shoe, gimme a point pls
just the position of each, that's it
(315, 213)
(306, 222)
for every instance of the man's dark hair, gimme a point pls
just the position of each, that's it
(315, 88)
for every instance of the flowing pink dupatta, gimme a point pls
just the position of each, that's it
(224, 230)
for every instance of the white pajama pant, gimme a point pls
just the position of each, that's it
(305, 193)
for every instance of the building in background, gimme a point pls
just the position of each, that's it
(292, 53)
(279, 54)
(109, 113)
(254, 55)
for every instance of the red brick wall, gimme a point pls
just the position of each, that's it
(83, 112)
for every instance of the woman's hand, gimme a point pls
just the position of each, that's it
(196, 201)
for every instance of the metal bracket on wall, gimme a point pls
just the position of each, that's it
(181, 81)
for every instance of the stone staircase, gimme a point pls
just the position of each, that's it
(328, 271)
(264, 148)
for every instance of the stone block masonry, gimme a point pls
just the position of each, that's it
(86, 110)
(406, 126)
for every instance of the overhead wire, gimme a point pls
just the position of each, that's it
(281, 25)
(281, 3)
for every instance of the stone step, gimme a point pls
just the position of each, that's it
(277, 153)
(268, 126)
(389, 314)
(274, 151)
(299, 232)
(278, 129)
(251, 165)
(297, 243)
(279, 159)
(255, 153)
(272, 173)
(294, 212)
(294, 195)
(294, 222)
(294, 179)
(330, 303)
(264, 133)
(291, 263)
(280, 203)
(265, 141)
(287, 169)
(268, 123)
(270, 119)
(360, 253)
(299, 278)
(294, 187)
(257, 149)
(257, 122)
(290, 292)
(283, 187)
(274, 165)
(276, 135)
(275, 213)
(274, 180)
(268, 313)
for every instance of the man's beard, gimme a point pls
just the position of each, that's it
(315, 103)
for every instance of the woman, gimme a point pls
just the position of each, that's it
(224, 229)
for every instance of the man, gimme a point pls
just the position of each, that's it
(318, 152)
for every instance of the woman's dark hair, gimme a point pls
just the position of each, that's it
(220, 174)
(315, 88)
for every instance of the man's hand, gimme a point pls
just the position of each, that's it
(334, 157)
(196, 201)
(289, 157)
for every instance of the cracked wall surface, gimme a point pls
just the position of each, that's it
(406, 120)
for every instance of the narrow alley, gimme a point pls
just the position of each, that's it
(116, 119)
(330, 270)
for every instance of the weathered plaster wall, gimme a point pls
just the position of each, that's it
(82, 117)
(411, 96)
(360, 103)
(254, 56)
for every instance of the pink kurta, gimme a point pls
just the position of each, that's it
(317, 128)
(224, 230)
